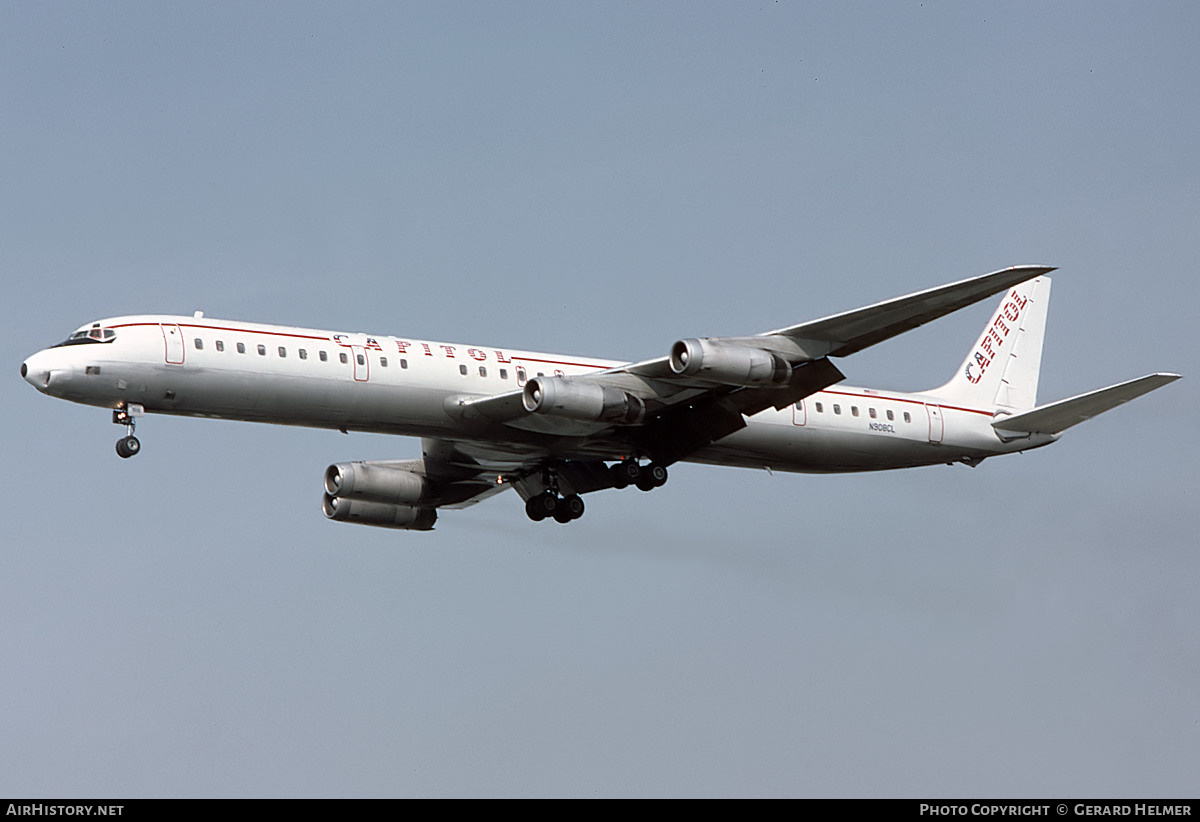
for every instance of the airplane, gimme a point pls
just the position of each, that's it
(557, 427)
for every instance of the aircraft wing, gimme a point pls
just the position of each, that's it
(701, 391)
(852, 331)
(846, 333)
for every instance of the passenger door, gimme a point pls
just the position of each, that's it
(362, 366)
(937, 426)
(173, 342)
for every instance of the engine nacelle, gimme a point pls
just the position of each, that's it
(380, 514)
(374, 482)
(728, 363)
(377, 494)
(580, 400)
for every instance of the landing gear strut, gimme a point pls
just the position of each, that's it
(128, 445)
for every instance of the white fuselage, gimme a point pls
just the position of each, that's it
(198, 366)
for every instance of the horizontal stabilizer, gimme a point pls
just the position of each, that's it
(1059, 416)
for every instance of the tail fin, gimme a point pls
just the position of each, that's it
(1001, 370)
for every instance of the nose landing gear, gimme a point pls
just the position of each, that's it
(128, 445)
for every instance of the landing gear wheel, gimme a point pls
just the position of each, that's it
(652, 476)
(128, 447)
(539, 507)
(568, 508)
(625, 473)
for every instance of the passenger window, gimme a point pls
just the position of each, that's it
(820, 408)
(383, 362)
(907, 418)
(241, 347)
(324, 357)
(890, 415)
(282, 351)
(837, 409)
(343, 358)
(262, 351)
(482, 371)
(462, 369)
(303, 354)
(403, 363)
(220, 345)
(504, 373)
(361, 359)
(199, 344)
(854, 410)
(872, 413)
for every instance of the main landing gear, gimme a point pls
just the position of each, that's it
(128, 445)
(550, 504)
(645, 477)
(563, 509)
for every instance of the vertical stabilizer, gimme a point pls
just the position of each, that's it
(1001, 370)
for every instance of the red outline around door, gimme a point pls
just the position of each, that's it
(799, 413)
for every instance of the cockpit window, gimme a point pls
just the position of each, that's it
(95, 334)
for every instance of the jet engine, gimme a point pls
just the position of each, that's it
(377, 494)
(381, 514)
(728, 363)
(375, 482)
(582, 400)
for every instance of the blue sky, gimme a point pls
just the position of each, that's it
(601, 180)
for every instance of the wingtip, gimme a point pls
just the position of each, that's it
(1023, 272)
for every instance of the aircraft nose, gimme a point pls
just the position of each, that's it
(36, 371)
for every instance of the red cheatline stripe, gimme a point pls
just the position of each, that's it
(866, 397)
(869, 397)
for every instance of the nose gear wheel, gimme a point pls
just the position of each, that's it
(128, 445)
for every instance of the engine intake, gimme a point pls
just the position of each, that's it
(580, 400)
(728, 363)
